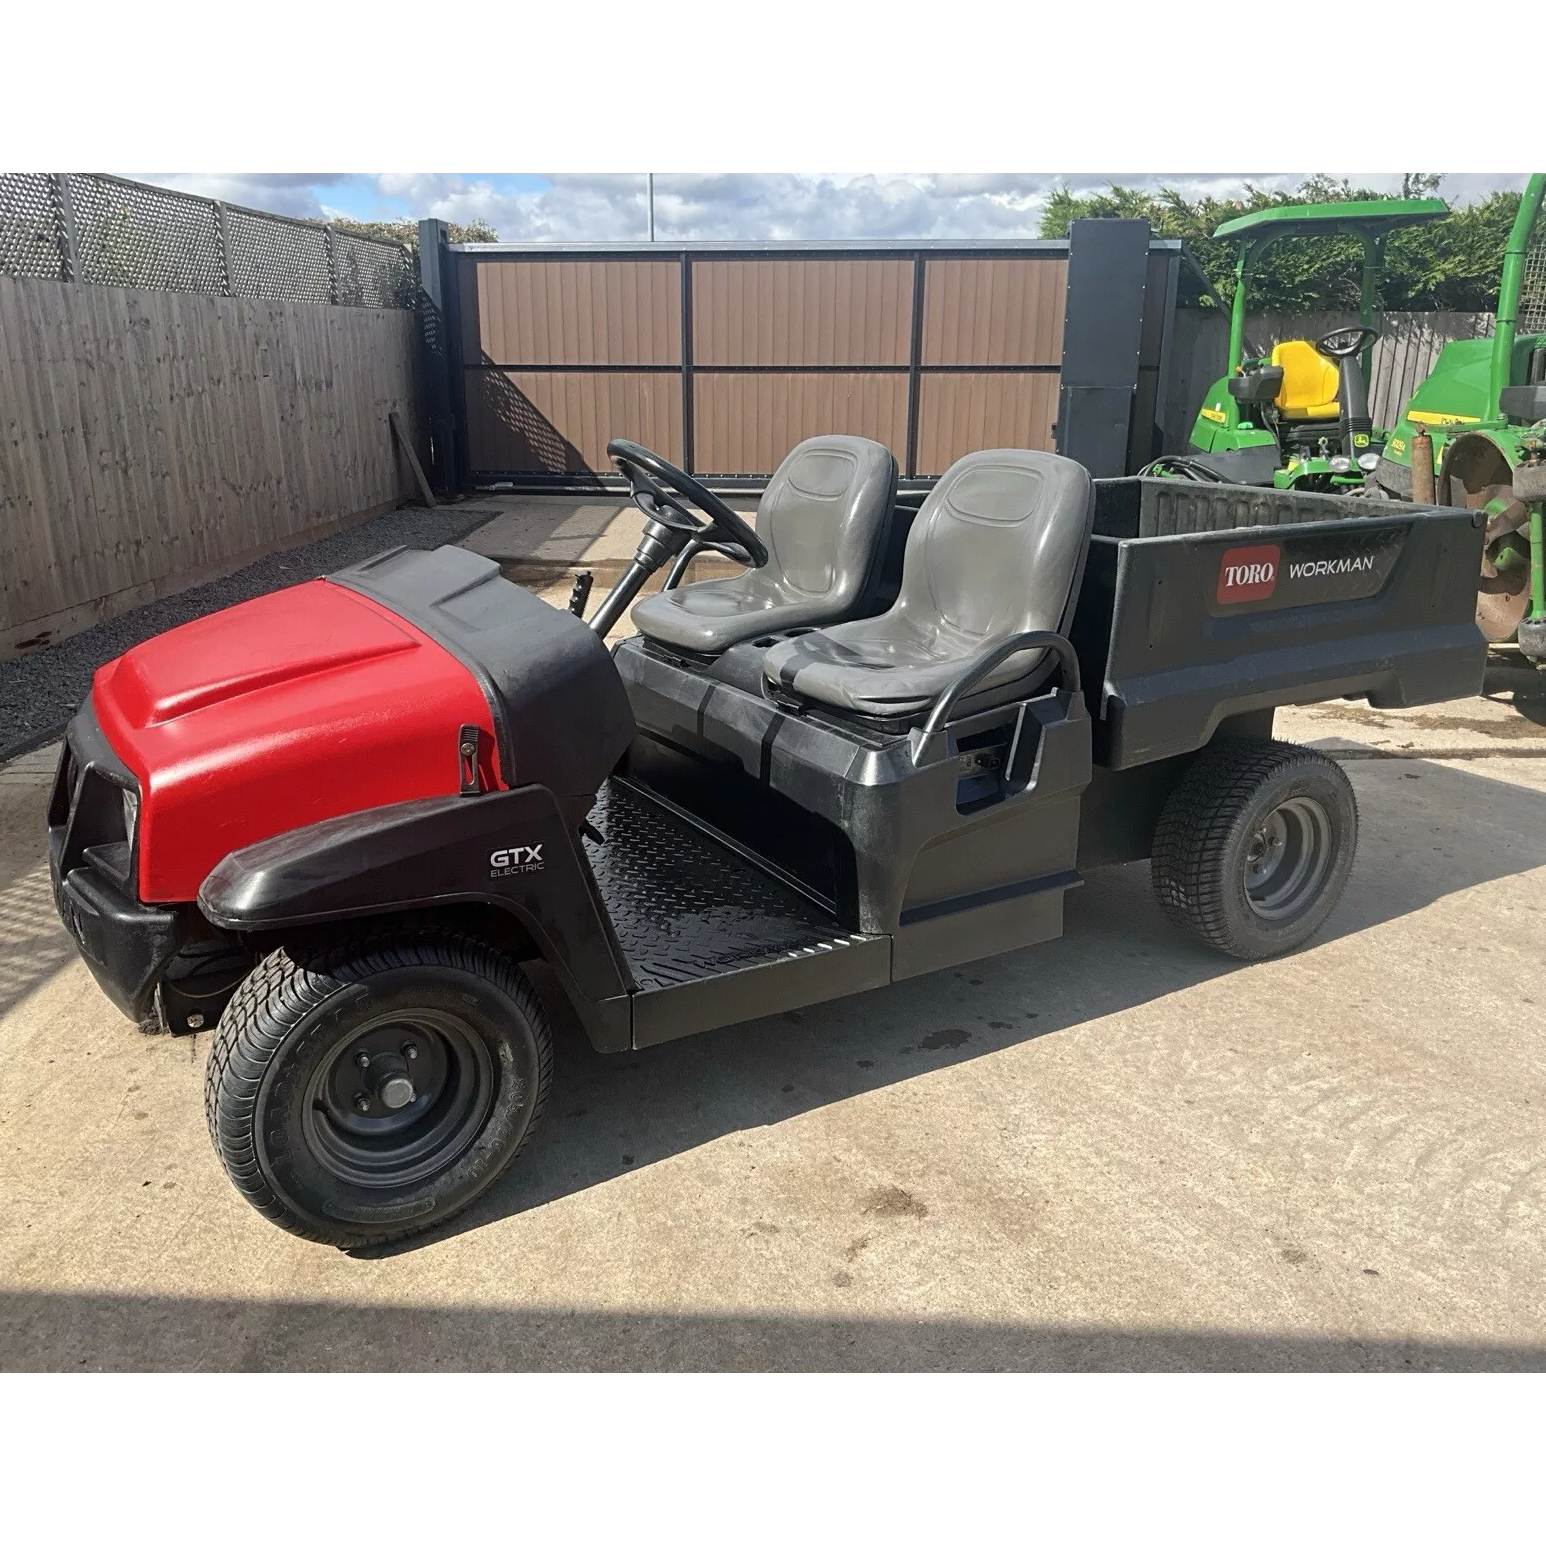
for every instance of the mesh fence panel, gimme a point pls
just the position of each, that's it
(372, 273)
(274, 260)
(1532, 285)
(148, 238)
(29, 227)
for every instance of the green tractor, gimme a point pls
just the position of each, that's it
(1299, 417)
(1474, 433)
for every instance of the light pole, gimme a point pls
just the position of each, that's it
(649, 178)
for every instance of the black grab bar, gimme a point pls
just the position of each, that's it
(1037, 638)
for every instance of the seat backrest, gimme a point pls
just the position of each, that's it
(998, 547)
(822, 516)
(1310, 384)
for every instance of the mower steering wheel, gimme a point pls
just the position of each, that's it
(654, 481)
(1341, 342)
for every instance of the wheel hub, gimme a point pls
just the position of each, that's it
(399, 1100)
(1287, 858)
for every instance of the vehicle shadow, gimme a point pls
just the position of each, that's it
(65, 1331)
(1428, 831)
(1510, 676)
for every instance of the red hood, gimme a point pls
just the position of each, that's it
(306, 703)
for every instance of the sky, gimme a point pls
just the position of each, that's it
(529, 206)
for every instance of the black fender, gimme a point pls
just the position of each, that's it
(513, 849)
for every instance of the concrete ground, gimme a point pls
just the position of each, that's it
(543, 541)
(1114, 1151)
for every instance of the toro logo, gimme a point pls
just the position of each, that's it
(520, 860)
(1248, 574)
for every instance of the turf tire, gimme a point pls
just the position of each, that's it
(298, 1007)
(1205, 836)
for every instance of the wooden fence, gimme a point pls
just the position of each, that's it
(1409, 344)
(151, 440)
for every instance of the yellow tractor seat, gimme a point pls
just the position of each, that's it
(1309, 389)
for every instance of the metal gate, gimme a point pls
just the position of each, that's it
(723, 356)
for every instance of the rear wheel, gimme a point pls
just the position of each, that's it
(1254, 846)
(1482, 479)
(365, 1092)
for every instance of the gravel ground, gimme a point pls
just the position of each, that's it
(39, 692)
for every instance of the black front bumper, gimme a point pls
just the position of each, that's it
(92, 860)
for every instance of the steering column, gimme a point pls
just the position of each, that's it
(681, 517)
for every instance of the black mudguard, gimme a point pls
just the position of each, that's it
(514, 850)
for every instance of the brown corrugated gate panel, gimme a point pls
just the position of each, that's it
(560, 311)
(802, 311)
(749, 423)
(961, 413)
(540, 421)
(994, 311)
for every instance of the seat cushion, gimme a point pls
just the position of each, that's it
(996, 550)
(1310, 381)
(824, 518)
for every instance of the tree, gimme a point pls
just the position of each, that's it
(1450, 264)
(407, 231)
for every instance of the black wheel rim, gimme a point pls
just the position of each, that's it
(400, 1100)
(1287, 859)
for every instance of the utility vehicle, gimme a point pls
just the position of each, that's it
(1474, 434)
(336, 823)
(1299, 417)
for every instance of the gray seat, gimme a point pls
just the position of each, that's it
(997, 549)
(824, 518)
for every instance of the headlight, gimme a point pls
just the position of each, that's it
(131, 814)
(1369, 460)
(1341, 464)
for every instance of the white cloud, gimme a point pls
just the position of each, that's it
(755, 206)
(784, 206)
(279, 193)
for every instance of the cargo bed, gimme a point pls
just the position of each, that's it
(1200, 604)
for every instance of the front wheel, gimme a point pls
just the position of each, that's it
(361, 1093)
(1254, 846)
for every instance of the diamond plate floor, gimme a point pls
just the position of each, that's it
(685, 906)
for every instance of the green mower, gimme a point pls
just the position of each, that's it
(1474, 434)
(1298, 418)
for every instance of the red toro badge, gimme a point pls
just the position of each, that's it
(1248, 574)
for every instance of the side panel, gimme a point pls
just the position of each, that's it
(1209, 626)
(511, 849)
(813, 977)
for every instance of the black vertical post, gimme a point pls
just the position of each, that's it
(689, 458)
(1162, 378)
(436, 277)
(456, 366)
(914, 370)
(1108, 264)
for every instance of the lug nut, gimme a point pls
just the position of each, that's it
(409, 1050)
(363, 1059)
(362, 1104)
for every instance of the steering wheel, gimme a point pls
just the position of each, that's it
(1341, 342)
(667, 495)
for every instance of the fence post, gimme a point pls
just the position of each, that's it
(332, 268)
(435, 339)
(69, 246)
(228, 286)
